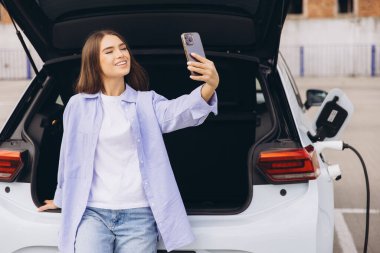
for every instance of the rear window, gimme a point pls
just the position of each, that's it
(287, 75)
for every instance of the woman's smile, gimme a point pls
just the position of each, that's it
(122, 63)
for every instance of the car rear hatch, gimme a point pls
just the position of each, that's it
(59, 28)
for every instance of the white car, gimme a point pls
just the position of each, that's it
(255, 186)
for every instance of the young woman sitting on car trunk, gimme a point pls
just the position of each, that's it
(115, 185)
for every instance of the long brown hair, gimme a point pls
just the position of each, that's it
(90, 77)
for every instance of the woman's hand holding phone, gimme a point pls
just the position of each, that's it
(207, 73)
(200, 67)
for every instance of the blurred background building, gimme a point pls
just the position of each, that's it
(324, 38)
(321, 38)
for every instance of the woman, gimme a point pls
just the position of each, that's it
(115, 185)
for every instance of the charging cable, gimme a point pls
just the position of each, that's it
(345, 145)
(339, 145)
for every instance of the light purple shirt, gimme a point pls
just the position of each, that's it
(151, 115)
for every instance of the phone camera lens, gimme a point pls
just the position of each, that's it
(189, 39)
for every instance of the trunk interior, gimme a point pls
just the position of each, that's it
(209, 161)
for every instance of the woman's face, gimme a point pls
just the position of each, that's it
(114, 58)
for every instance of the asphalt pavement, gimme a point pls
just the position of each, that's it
(363, 133)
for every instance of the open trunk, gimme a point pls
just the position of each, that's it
(209, 161)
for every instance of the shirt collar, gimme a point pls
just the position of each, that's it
(128, 95)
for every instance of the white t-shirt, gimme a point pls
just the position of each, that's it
(117, 182)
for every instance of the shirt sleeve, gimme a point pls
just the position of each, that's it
(184, 111)
(62, 156)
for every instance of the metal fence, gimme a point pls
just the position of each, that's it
(14, 64)
(313, 61)
(333, 60)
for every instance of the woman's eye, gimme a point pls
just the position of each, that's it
(124, 48)
(108, 52)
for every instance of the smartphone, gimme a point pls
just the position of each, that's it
(192, 44)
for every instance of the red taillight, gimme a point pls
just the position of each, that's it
(289, 165)
(11, 163)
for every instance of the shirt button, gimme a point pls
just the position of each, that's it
(152, 204)
(138, 140)
(141, 161)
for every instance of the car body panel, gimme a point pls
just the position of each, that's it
(325, 224)
(22, 225)
(262, 224)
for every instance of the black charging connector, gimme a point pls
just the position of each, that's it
(345, 145)
(329, 121)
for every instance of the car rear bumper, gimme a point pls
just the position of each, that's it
(301, 221)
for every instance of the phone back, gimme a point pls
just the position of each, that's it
(192, 44)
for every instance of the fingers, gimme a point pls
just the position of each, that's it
(206, 69)
(43, 208)
(199, 70)
(212, 79)
(49, 204)
(209, 65)
(200, 78)
(199, 58)
(196, 64)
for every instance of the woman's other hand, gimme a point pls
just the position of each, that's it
(49, 204)
(208, 74)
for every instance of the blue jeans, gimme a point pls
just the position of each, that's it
(117, 231)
